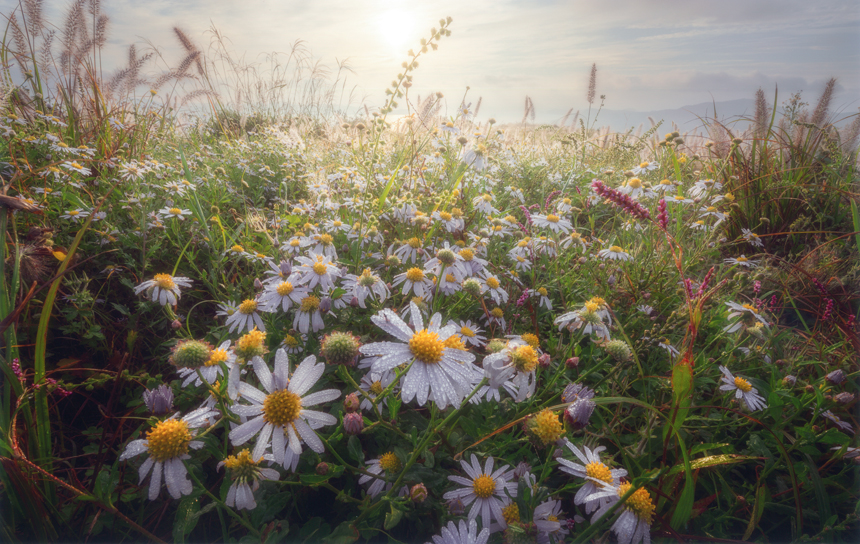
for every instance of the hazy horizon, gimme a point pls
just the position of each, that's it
(650, 55)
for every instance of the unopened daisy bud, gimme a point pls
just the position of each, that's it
(340, 348)
(176, 324)
(190, 353)
(578, 413)
(543, 360)
(844, 397)
(837, 377)
(619, 350)
(572, 362)
(496, 345)
(351, 403)
(392, 260)
(322, 468)
(446, 256)
(462, 140)
(159, 401)
(789, 381)
(353, 423)
(418, 493)
(521, 469)
(258, 284)
(456, 507)
(472, 286)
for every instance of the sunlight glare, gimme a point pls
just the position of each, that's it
(397, 28)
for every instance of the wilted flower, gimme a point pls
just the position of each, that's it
(159, 401)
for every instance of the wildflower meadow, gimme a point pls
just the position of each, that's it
(284, 322)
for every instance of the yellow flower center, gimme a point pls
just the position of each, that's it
(414, 243)
(376, 388)
(175, 211)
(679, 197)
(466, 331)
(492, 283)
(426, 346)
(281, 407)
(320, 269)
(591, 307)
(531, 339)
(367, 279)
(552, 218)
(74, 212)
(218, 356)
(237, 249)
(511, 513)
(295, 242)
(291, 341)
(665, 182)
(742, 259)
(483, 486)
(743, 385)
(253, 341)
(547, 427)
(467, 254)
(487, 198)
(524, 358)
(248, 306)
(242, 465)
(326, 239)
(551, 518)
(414, 274)
(164, 281)
(616, 249)
(640, 502)
(168, 439)
(750, 307)
(634, 183)
(454, 342)
(76, 165)
(284, 288)
(598, 471)
(711, 209)
(445, 216)
(389, 462)
(498, 313)
(310, 304)
(542, 291)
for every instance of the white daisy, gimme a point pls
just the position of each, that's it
(740, 310)
(308, 316)
(486, 490)
(614, 253)
(163, 288)
(385, 463)
(318, 269)
(366, 285)
(596, 474)
(281, 294)
(246, 317)
(168, 443)
(416, 281)
(452, 534)
(743, 390)
(490, 283)
(546, 519)
(280, 417)
(742, 261)
(470, 333)
(211, 369)
(633, 525)
(243, 469)
(178, 213)
(438, 373)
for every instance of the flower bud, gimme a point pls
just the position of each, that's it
(322, 469)
(176, 324)
(351, 403)
(353, 423)
(325, 305)
(844, 397)
(418, 493)
(578, 413)
(837, 377)
(340, 348)
(159, 401)
(544, 360)
(572, 362)
(789, 381)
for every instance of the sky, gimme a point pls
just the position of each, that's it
(650, 54)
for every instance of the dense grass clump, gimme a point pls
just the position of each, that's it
(289, 325)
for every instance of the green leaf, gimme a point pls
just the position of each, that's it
(185, 520)
(758, 509)
(353, 446)
(392, 518)
(342, 534)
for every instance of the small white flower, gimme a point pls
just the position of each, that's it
(614, 253)
(596, 474)
(743, 390)
(280, 415)
(163, 288)
(246, 317)
(451, 534)
(486, 490)
(168, 443)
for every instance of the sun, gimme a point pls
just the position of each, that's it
(397, 28)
